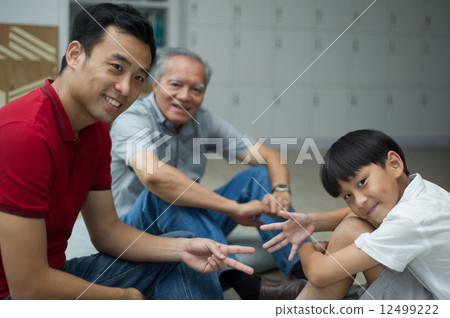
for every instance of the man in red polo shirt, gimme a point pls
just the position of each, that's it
(55, 161)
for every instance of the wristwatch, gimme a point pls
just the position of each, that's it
(282, 188)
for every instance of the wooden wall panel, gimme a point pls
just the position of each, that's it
(28, 55)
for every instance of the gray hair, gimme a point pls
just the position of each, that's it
(163, 55)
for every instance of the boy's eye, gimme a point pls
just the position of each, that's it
(347, 196)
(360, 183)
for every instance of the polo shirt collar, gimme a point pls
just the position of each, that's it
(414, 188)
(160, 118)
(59, 111)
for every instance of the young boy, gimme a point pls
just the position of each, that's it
(396, 231)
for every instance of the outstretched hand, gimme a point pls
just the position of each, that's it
(208, 256)
(295, 230)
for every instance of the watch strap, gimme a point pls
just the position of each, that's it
(281, 188)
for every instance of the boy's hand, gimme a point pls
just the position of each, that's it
(208, 256)
(295, 230)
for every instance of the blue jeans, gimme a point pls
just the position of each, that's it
(155, 216)
(175, 281)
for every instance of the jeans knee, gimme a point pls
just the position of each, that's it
(259, 173)
(260, 170)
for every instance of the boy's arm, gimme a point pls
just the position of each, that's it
(328, 221)
(23, 245)
(325, 269)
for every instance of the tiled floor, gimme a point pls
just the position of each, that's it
(308, 194)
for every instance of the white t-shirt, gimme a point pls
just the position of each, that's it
(416, 234)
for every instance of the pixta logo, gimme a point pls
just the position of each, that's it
(253, 149)
(146, 141)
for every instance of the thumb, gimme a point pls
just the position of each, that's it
(284, 214)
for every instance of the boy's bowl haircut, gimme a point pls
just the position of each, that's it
(353, 151)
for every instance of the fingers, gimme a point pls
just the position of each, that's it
(215, 249)
(239, 266)
(271, 205)
(274, 240)
(253, 221)
(266, 200)
(275, 206)
(238, 249)
(217, 264)
(284, 214)
(272, 226)
(293, 252)
(212, 263)
(280, 245)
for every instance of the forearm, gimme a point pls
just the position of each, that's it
(328, 221)
(49, 283)
(278, 172)
(122, 240)
(277, 169)
(325, 269)
(25, 262)
(175, 187)
(316, 266)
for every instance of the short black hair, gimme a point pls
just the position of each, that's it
(353, 151)
(89, 24)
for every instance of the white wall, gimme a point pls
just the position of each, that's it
(389, 71)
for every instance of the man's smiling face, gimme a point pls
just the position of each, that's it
(181, 89)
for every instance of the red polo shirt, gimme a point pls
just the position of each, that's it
(45, 170)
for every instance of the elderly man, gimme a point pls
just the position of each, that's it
(158, 154)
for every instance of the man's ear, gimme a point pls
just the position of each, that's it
(395, 163)
(155, 84)
(74, 54)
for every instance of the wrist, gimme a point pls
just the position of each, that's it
(281, 188)
(235, 209)
(178, 249)
(313, 221)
